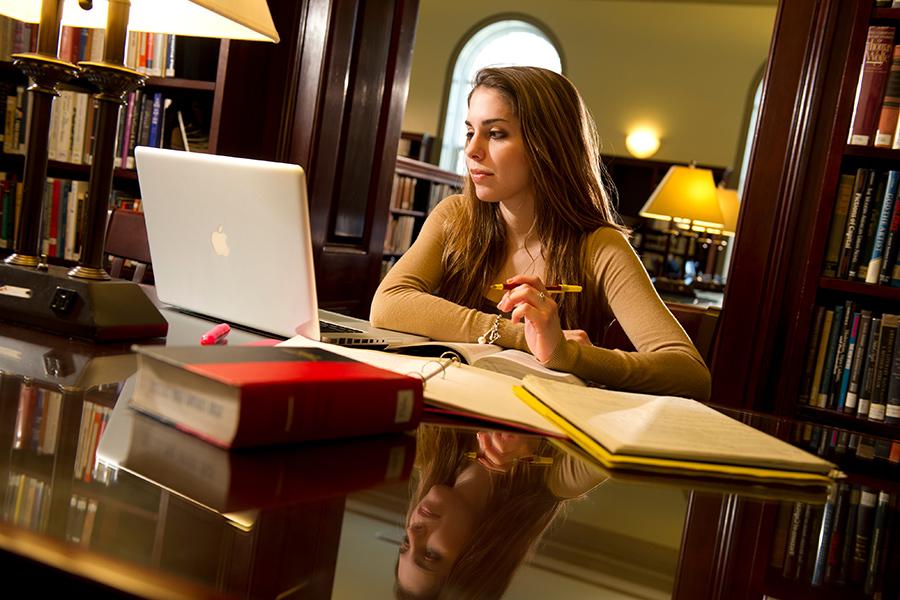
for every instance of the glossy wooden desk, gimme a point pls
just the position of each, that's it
(327, 521)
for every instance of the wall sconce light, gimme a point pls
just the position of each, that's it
(642, 142)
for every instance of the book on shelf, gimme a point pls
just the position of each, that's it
(236, 396)
(669, 434)
(488, 356)
(882, 367)
(228, 481)
(885, 132)
(871, 85)
(838, 225)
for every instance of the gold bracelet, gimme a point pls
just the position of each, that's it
(493, 334)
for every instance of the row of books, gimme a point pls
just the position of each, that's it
(143, 121)
(94, 419)
(853, 540)
(877, 103)
(16, 36)
(15, 118)
(150, 53)
(399, 235)
(839, 445)
(864, 237)
(37, 419)
(64, 204)
(853, 365)
(27, 501)
(412, 193)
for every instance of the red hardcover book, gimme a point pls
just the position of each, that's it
(240, 396)
(890, 105)
(872, 79)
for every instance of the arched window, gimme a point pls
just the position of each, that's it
(501, 43)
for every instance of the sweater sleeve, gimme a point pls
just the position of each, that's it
(666, 361)
(404, 301)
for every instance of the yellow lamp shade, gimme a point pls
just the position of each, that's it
(232, 19)
(730, 206)
(685, 193)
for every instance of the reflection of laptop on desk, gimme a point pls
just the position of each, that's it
(230, 239)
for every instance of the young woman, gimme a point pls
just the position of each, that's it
(534, 212)
(479, 504)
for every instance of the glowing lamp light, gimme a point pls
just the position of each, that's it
(642, 143)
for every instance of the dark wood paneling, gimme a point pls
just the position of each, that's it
(788, 166)
(330, 97)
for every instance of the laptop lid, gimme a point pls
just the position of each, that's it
(230, 239)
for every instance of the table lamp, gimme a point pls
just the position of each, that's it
(686, 197)
(83, 301)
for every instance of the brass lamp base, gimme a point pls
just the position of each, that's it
(95, 310)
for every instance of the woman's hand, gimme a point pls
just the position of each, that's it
(577, 335)
(499, 450)
(530, 302)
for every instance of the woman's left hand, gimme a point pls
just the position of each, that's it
(530, 302)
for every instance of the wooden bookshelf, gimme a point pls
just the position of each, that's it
(418, 187)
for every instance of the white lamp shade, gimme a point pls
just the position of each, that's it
(687, 193)
(232, 19)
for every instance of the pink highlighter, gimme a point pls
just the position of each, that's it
(215, 335)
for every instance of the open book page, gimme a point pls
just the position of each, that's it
(491, 357)
(668, 427)
(461, 389)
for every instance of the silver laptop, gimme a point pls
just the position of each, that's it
(230, 239)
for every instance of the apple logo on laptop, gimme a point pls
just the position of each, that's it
(219, 241)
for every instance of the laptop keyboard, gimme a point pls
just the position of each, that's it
(326, 327)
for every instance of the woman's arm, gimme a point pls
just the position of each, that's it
(666, 361)
(404, 300)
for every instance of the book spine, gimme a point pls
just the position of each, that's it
(891, 244)
(860, 183)
(838, 225)
(892, 406)
(840, 355)
(878, 533)
(890, 105)
(824, 338)
(889, 325)
(837, 533)
(830, 355)
(872, 80)
(848, 363)
(864, 520)
(887, 208)
(862, 341)
(862, 225)
(868, 375)
(811, 354)
(823, 546)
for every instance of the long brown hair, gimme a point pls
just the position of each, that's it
(571, 196)
(519, 510)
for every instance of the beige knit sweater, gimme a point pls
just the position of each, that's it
(665, 362)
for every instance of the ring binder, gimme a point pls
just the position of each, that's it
(443, 361)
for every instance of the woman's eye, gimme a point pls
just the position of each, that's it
(432, 556)
(497, 135)
(469, 135)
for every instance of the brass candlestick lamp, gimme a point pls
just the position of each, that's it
(83, 301)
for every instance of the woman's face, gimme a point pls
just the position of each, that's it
(438, 530)
(495, 149)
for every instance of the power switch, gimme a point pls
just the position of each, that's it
(63, 300)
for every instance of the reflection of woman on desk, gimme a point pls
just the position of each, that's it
(535, 212)
(479, 504)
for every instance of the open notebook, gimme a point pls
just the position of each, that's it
(456, 388)
(667, 433)
(490, 357)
